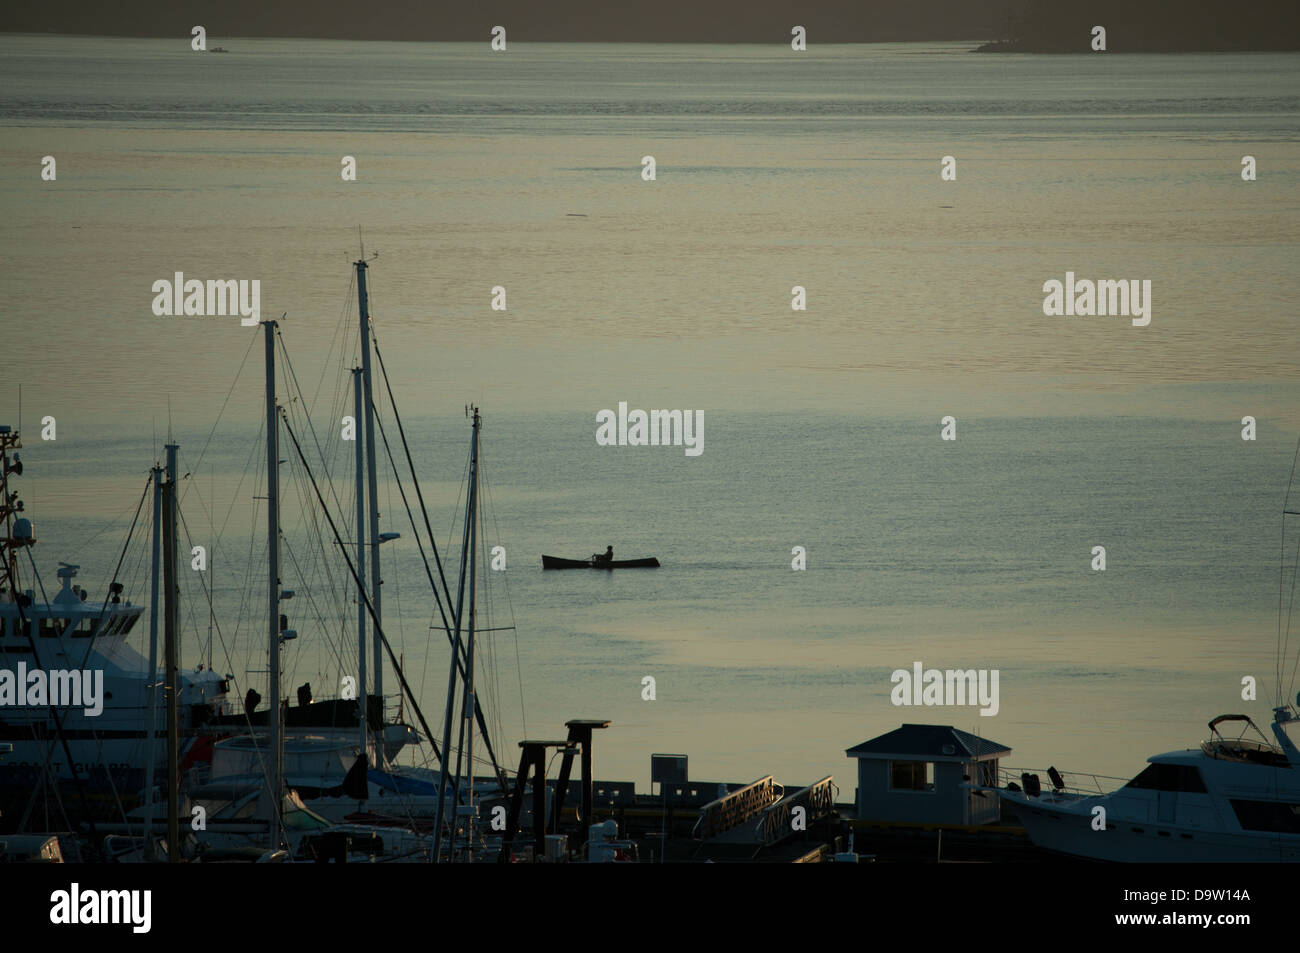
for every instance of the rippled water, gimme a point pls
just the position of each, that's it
(822, 426)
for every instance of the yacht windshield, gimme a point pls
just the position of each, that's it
(1169, 777)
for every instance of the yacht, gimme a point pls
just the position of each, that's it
(1231, 800)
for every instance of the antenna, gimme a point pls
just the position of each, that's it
(362, 242)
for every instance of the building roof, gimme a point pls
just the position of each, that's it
(933, 742)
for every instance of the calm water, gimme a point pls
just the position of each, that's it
(821, 427)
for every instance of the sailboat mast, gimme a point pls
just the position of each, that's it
(212, 585)
(171, 662)
(151, 683)
(470, 699)
(273, 584)
(361, 556)
(363, 307)
(451, 673)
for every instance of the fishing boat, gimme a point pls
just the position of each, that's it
(81, 762)
(73, 766)
(557, 562)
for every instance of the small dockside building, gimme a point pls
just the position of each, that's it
(928, 775)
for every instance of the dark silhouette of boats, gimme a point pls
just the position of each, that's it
(555, 562)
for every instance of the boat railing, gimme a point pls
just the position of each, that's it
(1075, 782)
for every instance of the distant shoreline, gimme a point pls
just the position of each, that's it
(1027, 46)
(1054, 47)
(227, 37)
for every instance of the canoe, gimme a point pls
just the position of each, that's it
(555, 562)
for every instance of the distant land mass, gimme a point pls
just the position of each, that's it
(1153, 26)
(1035, 26)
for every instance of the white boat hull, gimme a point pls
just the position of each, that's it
(1067, 829)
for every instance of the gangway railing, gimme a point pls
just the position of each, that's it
(735, 808)
(776, 822)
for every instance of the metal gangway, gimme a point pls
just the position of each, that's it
(777, 822)
(761, 813)
(731, 810)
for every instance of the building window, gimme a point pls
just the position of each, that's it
(911, 775)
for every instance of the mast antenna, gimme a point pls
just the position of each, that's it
(362, 242)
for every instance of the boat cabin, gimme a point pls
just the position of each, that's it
(68, 614)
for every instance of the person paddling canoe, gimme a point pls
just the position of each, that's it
(606, 557)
